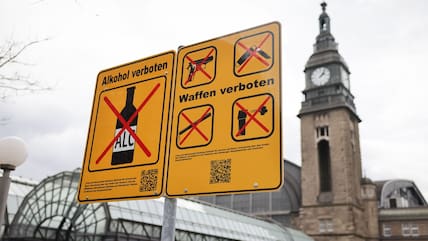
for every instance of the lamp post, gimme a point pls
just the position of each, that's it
(12, 154)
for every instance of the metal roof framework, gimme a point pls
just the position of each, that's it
(50, 211)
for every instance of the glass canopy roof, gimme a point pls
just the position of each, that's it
(50, 211)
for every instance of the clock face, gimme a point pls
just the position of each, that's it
(320, 76)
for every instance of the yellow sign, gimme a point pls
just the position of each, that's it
(226, 124)
(195, 126)
(199, 67)
(254, 53)
(127, 140)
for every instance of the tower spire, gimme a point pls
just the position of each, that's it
(324, 20)
(327, 74)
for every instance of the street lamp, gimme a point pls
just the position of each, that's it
(12, 154)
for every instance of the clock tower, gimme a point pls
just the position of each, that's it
(332, 205)
(326, 74)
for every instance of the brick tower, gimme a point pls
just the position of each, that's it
(332, 205)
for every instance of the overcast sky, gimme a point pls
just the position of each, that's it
(384, 43)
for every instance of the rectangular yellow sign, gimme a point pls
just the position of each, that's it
(226, 123)
(127, 139)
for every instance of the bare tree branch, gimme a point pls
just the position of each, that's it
(13, 83)
(10, 55)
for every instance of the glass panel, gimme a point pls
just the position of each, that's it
(224, 201)
(260, 202)
(209, 199)
(115, 212)
(279, 201)
(12, 204)
(241, 202)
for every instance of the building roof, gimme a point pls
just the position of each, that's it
(197, 217)
(404, 191)
(50, 210)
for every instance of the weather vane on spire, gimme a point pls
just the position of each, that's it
(323, 5)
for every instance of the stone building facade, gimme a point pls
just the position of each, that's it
(403, 211)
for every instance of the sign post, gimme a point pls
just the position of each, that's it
(169, 219)
(226, 121)
(127, 139)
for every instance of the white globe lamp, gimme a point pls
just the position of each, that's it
(13, 153)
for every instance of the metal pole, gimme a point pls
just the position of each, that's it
(168, 223)
(4, 190)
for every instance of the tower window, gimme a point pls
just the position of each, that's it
(326, 225)
(323, 25)
(322, 131)
(324, 165)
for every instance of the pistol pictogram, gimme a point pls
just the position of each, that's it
(194, 65)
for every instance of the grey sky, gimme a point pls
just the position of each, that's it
(382, 41)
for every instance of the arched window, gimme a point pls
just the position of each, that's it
(323, 25)
(324, 165)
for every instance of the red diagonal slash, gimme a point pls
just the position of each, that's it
(253, 53)
(198, 67)
(252, 117)
(126, 124)
(195, 125)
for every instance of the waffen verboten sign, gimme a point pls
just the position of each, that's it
(226, 126)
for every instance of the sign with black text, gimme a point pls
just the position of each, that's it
(226, 120)
(127, 139)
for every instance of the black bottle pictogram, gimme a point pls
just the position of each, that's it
(123, 148)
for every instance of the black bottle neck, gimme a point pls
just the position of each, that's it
(130, 95)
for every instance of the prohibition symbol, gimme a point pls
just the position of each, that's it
(129, 134)
(195, 126)
(199, 67)
(254, 54)
(252, 117)
(126, 125)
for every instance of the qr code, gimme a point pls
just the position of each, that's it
(149, 180)
(220, 171)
